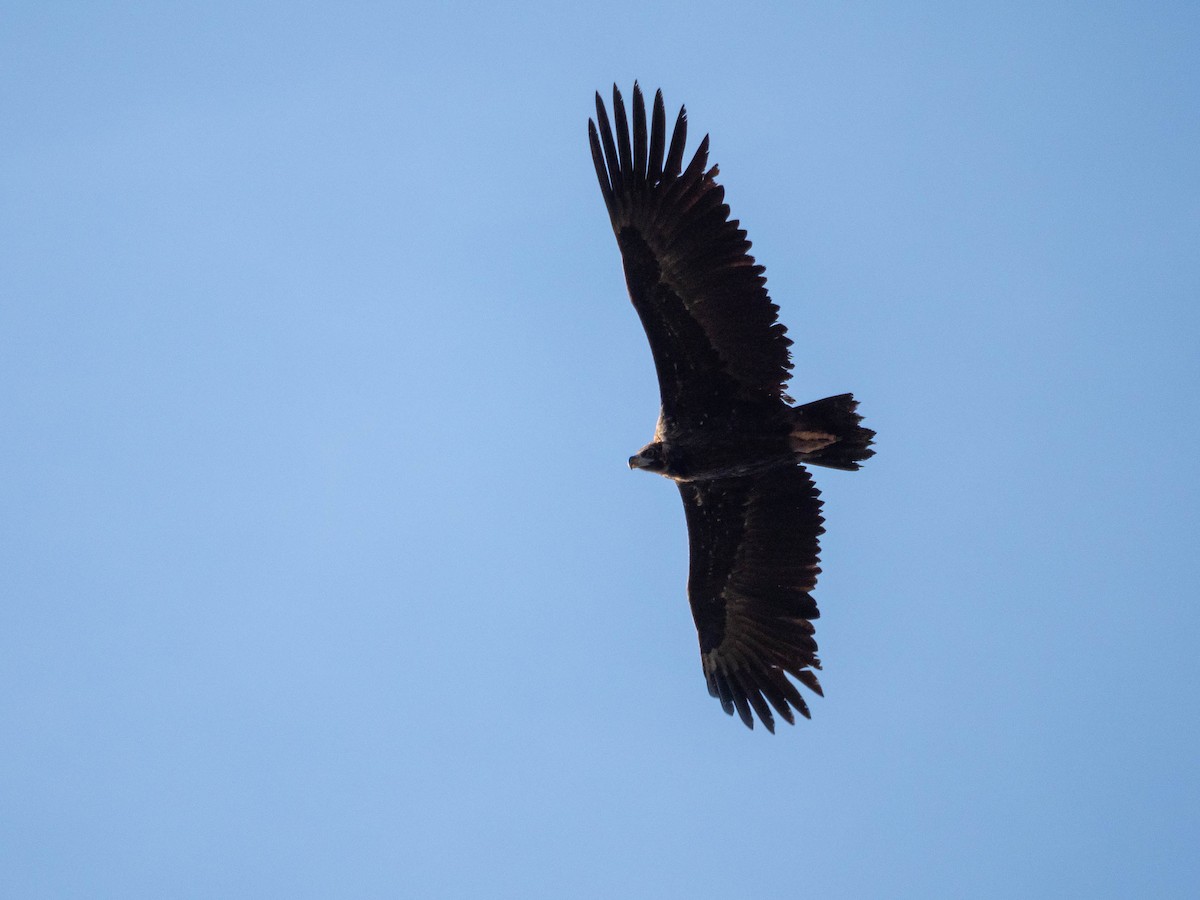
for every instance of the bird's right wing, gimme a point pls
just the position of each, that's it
(712, 327)
(753, 544)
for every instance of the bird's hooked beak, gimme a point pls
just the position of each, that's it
(637, 461)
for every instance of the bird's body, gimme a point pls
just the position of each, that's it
(727, 434)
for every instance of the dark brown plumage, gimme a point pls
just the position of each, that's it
(727, 433)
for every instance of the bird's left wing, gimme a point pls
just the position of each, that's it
(713, 329)
(753, 544)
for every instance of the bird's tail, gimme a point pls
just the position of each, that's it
(827, 433)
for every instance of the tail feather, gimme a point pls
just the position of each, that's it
(827, 433)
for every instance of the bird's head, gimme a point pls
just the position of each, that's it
(649, 458)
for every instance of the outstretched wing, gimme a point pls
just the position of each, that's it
(754, 546)
(702, 300)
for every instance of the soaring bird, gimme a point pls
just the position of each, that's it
(727, 433)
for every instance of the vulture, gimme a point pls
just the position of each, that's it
(728, 435)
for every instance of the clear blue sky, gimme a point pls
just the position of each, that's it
(321, 570)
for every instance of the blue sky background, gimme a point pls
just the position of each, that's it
(322, 573)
